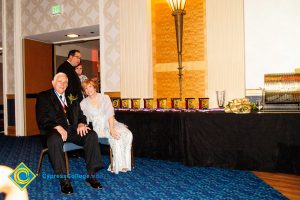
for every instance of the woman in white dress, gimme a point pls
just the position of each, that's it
(99, 110)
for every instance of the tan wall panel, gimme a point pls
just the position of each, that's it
(38, 66)
(31, 126)
(38, 75)
(225, 49)
(11, 130)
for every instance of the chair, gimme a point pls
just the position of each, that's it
(68, 146)
(105, 141)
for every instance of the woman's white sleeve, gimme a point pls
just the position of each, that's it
(83, 107)
(109, 109)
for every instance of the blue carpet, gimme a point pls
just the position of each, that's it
(151, 179)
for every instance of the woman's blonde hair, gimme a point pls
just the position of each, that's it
(86, 82)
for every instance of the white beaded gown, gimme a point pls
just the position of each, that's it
(99, 117)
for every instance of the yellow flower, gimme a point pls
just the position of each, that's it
(241, 105)
(72, 98)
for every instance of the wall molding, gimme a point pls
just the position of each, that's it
(4, 65)
(19, 76)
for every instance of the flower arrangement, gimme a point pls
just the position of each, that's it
(241, 105)
(72, 98)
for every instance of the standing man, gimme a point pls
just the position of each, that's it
(73, 91)
(62, 120)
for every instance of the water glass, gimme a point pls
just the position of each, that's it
(259, 105)
(221, 98)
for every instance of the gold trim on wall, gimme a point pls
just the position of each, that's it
(192, 65)
(113, 94)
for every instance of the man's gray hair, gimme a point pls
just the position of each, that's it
(58, 75)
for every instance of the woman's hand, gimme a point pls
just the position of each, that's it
(114, 134)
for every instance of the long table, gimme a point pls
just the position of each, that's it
(263, 142)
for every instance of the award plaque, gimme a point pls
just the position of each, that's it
(135, 103)
(125, 103)
(162, 103)
(203, 103)
(116, 102)
(148, 103)
(176, 103)
(190, 103)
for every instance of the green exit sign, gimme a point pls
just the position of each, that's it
(56, 9)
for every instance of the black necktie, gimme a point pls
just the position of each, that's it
(61, 100)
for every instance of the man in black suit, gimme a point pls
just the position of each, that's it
(68, 67)
(62, 120)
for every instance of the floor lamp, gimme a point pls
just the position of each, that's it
(178, 11)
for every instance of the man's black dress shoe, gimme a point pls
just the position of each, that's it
(94, 183)
(65, 186)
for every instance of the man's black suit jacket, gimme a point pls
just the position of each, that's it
(74, 84)
(50, 113)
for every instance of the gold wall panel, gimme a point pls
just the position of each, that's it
(165, 75)
(193, 84)
(164, 36)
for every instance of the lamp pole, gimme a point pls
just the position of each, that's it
(178, 16)
(177, 7)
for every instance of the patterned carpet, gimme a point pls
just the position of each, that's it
(151, 179)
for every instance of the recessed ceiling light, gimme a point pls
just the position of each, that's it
(72, 35)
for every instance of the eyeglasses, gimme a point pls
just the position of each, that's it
(77, 57)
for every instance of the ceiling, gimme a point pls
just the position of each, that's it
(89, 37)
(88, 44)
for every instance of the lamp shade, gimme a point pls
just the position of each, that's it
(176, 4)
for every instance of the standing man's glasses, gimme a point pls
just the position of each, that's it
(77, 57)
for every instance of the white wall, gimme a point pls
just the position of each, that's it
(63, 50)
(272, 38)
(37, 17)
(109, 11)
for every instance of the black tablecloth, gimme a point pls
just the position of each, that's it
(263, 142)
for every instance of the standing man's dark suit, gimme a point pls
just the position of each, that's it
(68, 67)
(66, 123)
